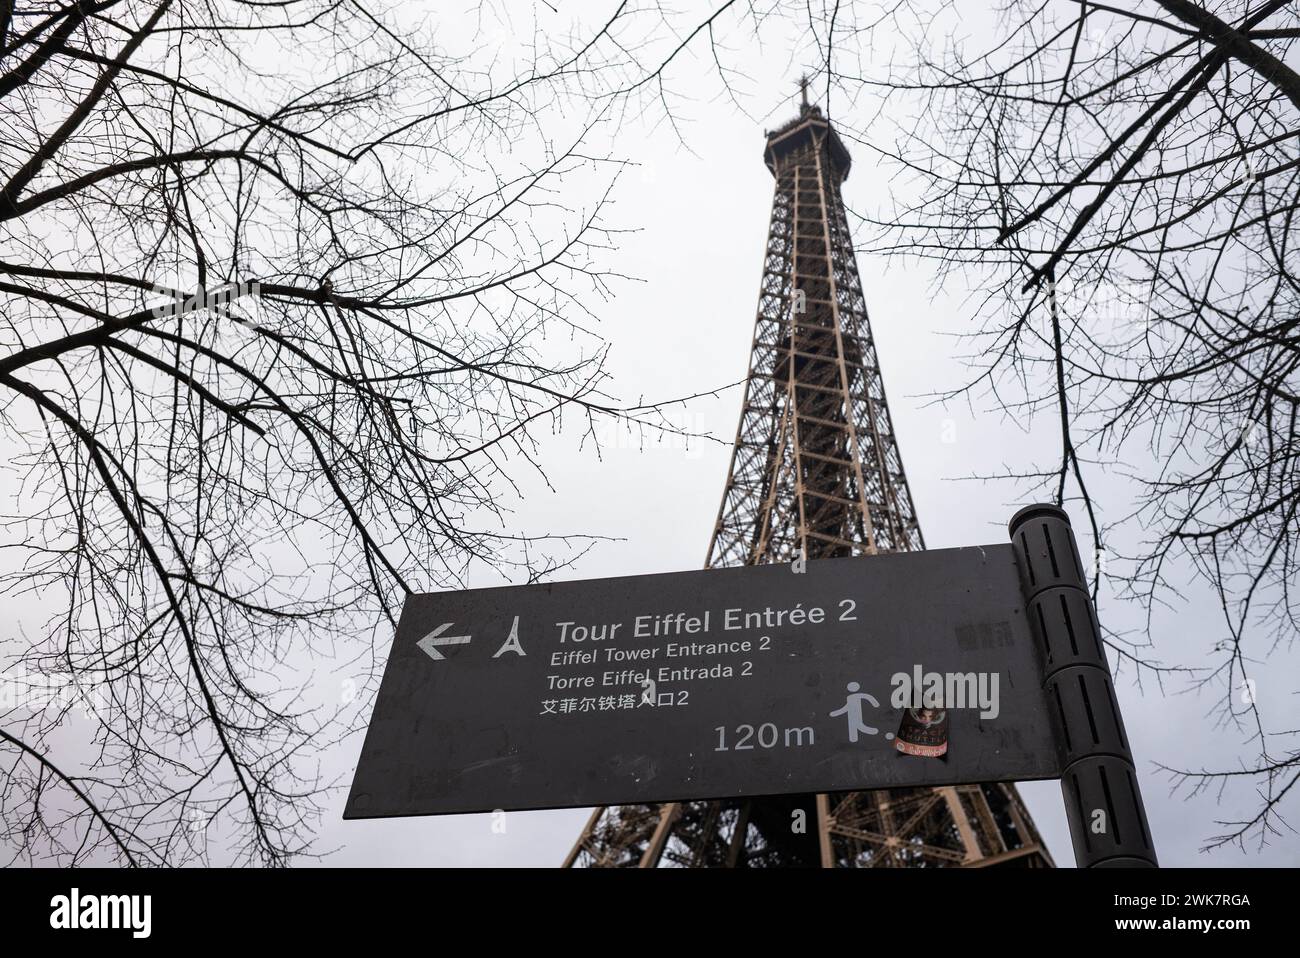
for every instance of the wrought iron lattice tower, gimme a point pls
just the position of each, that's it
(815, 471)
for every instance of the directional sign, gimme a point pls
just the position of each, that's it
(897, 670)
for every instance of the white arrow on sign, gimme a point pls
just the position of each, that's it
(430, 642)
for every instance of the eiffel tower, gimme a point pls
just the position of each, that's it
(815, 472)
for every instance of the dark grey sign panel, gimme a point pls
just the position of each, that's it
(728, 682)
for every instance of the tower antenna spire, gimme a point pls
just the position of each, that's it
(803, 91)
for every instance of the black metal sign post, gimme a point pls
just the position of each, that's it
(943, 667)
(1103, 804)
